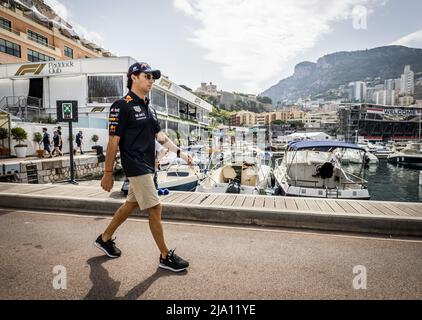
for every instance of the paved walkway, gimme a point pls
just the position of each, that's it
(227, 262)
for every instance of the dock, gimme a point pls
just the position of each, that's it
(378, 217)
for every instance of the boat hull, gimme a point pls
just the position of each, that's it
(414, 161)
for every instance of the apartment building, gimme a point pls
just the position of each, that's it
(247, 118)
(30, 31)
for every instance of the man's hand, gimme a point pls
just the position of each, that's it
(187, 158)
(107, 181)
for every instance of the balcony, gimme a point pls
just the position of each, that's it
(101, 100)
(10, 29)
(40, 42)
(22, 12)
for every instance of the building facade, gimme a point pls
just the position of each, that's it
(407, 82)
(95, 84)
(377, 122)
(247, 118)
(31, 32)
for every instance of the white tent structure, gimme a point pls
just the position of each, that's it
(299, 136)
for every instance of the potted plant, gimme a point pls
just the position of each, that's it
(19, 134)
(95, 139)
(4, 134)
(38, 139)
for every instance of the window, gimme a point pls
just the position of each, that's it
(183, 108)
(192, 111)
(10, 48)
(37, 38)
(158, 99)
(35, 56)
(199, 114)
(68, 52)
(104, 89)
(162, 123)
(173, 105)
(5, 24)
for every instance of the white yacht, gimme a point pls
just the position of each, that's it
(313, 169)
(238, 172)
(354, 156)
(411, 155)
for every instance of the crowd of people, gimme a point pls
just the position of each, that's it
(53, 146)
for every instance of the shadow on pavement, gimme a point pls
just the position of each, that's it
(106, 288)
(103, 286)
(141, 288)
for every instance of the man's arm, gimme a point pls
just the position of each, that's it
(167, 143)
(107, 180)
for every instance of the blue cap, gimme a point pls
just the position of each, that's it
(139, 67)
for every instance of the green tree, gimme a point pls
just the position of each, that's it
(297, 124)
(95, 138)
(19, 134)
(37, 138)
(265, 100)
(278, 123)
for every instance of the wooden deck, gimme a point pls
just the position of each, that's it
(355, 207)
(229, 201)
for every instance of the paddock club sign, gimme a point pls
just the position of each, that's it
(48, 68)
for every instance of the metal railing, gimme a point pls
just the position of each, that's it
(23, 108)
(103, 100)
(40, 42)
(9, 29)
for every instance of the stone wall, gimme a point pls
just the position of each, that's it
(57, 169)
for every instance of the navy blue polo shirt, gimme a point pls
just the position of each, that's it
(136, 123)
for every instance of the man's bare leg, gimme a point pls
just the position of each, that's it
(119, 217)
(157, 229)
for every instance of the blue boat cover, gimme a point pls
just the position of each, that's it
(322, 145)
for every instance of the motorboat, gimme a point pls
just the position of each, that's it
(237, 172)
(411, 155)
(313, 169)
(353, 156)
(176, 177)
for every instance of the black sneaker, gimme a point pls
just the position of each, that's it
(108, 247)
(173, 262)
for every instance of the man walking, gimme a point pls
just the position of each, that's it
(56, 142)
(79, 138)
(46, 142)
(59, 132)
(134, 127)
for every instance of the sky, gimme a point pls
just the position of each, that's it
(240, 45)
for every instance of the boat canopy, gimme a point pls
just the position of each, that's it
(322, 145)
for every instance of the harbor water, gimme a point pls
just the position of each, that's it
(389, 182)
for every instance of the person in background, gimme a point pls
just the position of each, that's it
(46, 142)
(79, 142)
(56, 142)
(59, 131)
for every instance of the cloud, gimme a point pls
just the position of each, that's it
(253, 40)
(88, 35)
(64, 13)
(413, 40)
(58, 7)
